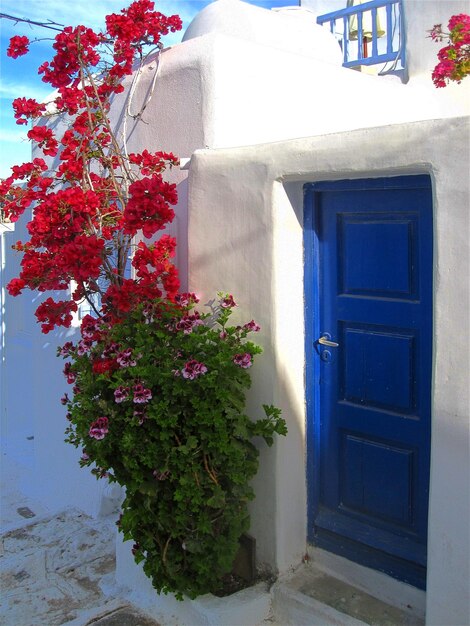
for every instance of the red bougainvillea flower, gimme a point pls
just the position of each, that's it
(243, 360)
(18, 46)
(51, 314)
(154, 257)
(147, 208)
(27, 107)
(45, 138)
(15, 286)
(84, 215)
(153, 163)
(193, 369)
(99, 428)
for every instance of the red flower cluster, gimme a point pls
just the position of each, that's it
(18, 46)
(147, 208)
(89, 208)
(51, 314)
(27, 107)
(153, 163)
(137, 25)
(45, 138)
(454, 59)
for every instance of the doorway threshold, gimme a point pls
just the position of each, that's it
(329, 589)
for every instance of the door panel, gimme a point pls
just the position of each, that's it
(369, 290)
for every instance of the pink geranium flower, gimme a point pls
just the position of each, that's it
(193, 369)
(67, 349)
(141, 394)
(186, 299)
(188, 322)
(84, 346)
(243, 360)
(140, 415)
(228, 302)
(121, 394)
(252, 327)
(125, 358)
(69, 374)
(99, 428)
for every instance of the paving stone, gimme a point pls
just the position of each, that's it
(26, 512)
(126, 616)
(51, 569)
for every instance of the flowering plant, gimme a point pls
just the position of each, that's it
(158, 388)
(454, 59)
(159, 406)
(95, 200)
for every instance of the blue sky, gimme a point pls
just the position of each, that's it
(19, 77)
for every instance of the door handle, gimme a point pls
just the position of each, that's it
(324, 341)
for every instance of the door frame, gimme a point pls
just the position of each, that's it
(362, 554)
(312, 365)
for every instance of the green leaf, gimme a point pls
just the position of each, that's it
(149, 488)
(217, 501)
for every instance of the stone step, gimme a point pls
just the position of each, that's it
(312, 597)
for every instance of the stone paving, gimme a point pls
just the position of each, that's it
(54, 568)
(52, 572)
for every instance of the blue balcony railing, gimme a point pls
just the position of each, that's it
(369, 33)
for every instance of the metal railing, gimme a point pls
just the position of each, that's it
(361, 22)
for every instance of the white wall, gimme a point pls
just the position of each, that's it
(253, 196)
(32, 385)
(245, 236)
(420, 17)
(217, 90)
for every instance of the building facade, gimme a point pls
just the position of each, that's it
(333, 203)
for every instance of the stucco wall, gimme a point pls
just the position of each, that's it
(33, 420)
(245, 236)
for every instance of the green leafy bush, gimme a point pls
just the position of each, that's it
(158, 406)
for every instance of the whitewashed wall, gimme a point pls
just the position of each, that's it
(254, 195)
(33, 420)
(221, 90)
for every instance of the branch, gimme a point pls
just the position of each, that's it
(48, 24)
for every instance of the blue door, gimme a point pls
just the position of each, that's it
(368, 273)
